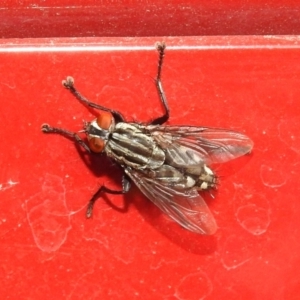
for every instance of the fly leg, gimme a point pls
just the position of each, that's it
(164, 118)
(69, 84)
(68, 134)
(126, 184)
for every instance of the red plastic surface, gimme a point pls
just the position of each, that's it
(49, 250)
(69, 18)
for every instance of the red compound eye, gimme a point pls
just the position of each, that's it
(96, 144)
(104, 120)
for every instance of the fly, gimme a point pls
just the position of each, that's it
(169, 164)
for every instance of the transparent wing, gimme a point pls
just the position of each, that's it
(186, 207)
(190, 146)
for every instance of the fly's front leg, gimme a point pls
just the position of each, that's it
(66, 133)
(126, 184)
(164, 118)
(69, 84)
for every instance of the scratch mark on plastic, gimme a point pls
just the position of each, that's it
(236, 252)
(254, 219)
(271, 176)
(288, 133)
(253, 211)
(48, 216)
(196, 286)
(7, 185)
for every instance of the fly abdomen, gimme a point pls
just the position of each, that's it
(172, 177)
(130, 146)
(207, 179)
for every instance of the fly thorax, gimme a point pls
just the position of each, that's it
(131, 145)
(98, 131)
(207, 179)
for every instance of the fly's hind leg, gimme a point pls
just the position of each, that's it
(69, 84)
(164, 118)
(126, 184)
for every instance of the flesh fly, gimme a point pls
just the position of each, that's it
(169, 164)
